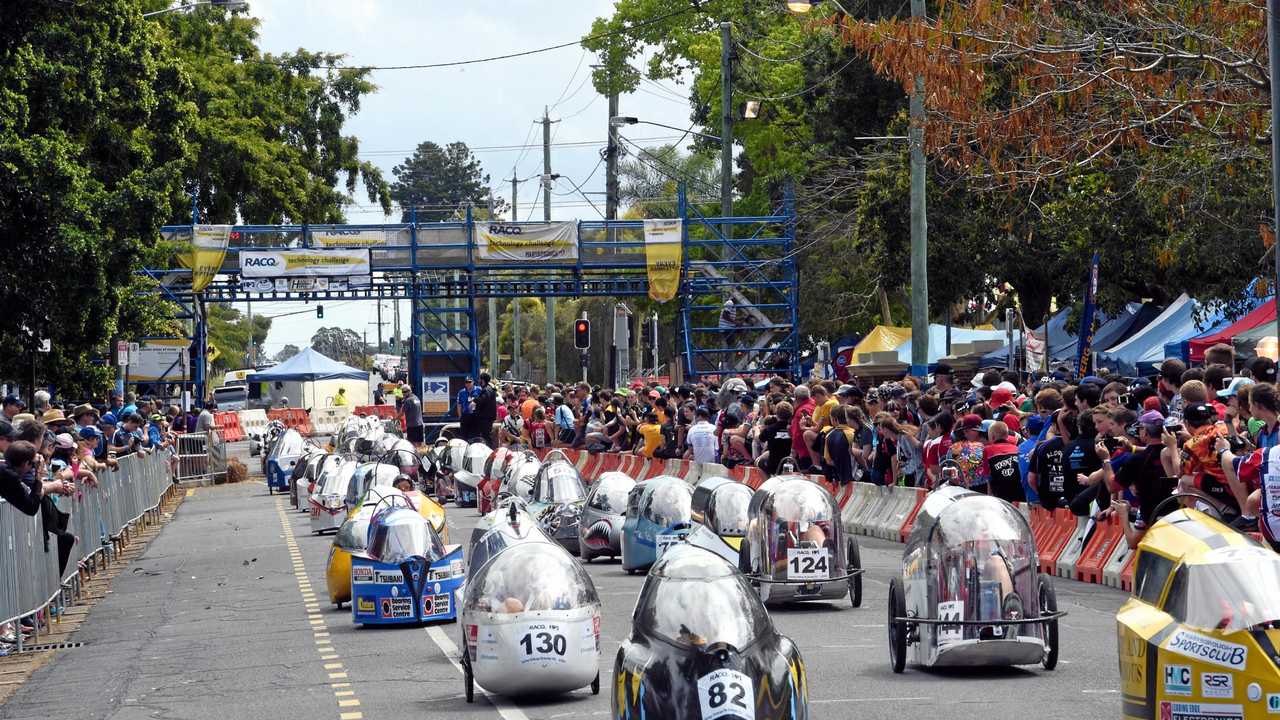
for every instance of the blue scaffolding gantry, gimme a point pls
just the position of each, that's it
(436, 267)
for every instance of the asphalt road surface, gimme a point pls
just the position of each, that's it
(214, 623)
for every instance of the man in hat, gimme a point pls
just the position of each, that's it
(466, 408)
(11, 406)
(56, 421)
(84, 416)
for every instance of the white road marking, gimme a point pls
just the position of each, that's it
(502, 705)
(867, 699)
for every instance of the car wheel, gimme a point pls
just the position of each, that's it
(853, 563)
(468, 682)
(897, 628)
(595, 685)
(1049, 605)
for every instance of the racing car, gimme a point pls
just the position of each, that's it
(719, 513)
(557, 499)
(1198, 638)
(702, 645)
(600, 527)
(658, 517)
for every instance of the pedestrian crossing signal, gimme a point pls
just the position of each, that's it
(582, 334)
(319, 311)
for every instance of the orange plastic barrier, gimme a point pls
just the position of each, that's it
(1126, 575)
(592, 467)
(1062, 527)
(386, 412)
(910, 521)
(752, 477)
(1106, 536)
(295, 418)
(228, 424)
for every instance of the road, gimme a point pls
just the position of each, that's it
(226, 616)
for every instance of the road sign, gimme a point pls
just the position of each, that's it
(122, 353)
(435, 395)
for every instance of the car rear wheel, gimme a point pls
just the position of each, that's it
(897, 628)
(853, 563)
(595, 685)
(1048, 606)
(468, 681)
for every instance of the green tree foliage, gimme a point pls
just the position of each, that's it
(648, 180)
(232, 334)
(286, 352)
(94, 119)
(437, 180)
(267, 142)
(341, 344)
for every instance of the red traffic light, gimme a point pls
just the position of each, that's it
(582, 334)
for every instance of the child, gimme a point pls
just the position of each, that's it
(537, 434)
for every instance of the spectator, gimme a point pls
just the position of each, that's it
(1000, 458)
(537, 433)
(11, 406)
(1168, 384)
(465, 407)
(411, 414)
(703, 447)
(967, 453)
(650, 435)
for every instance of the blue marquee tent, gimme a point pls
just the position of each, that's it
(1146, 349)
(1113, 331)
(308, 366)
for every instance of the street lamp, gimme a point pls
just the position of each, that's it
(620, 120)
(228, 4)
(799, 6)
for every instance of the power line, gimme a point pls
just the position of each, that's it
(576, 68)
(493, 58)
(805, 91)
(524, 146)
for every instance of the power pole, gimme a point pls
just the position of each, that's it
(919, 226)
(726, 127)
(550, 302)
(611, 161)
(379, 324)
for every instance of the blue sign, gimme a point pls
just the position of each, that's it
(380, 595)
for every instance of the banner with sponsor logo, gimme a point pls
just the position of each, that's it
(1084, 355)
(208, 248)
(340, 237)
(662, 256)
(303, 263)
(526, 242)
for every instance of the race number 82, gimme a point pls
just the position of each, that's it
(726, 693)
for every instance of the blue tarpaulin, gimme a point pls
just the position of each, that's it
(1146, 349)
(308, 366)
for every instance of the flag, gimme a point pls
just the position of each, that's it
(1084, 356)
(662, 256)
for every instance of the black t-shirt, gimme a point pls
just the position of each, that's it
(1006, 478)
(840, 468)
(1079, 458)
(486, 406)
(1143, 475)
(1049, 463)
(776, 435)
(884, 457)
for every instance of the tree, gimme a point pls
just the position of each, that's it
(93, 120)
(266, 143)
(648, 180)
(438, 180)
(286, 352)
(340, 344)
(233, 334)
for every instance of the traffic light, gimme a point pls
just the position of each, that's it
(319, 311)
(582, 334)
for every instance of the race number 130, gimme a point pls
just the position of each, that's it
(542, 641)
(726, 693)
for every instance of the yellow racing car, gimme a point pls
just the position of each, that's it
(353, 535)
(1199, 637)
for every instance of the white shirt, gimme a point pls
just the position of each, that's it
(702, 439)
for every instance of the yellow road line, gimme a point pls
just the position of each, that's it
(344, 697)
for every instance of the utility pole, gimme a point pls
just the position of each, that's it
(726, 127)
(379, 323)
(611, 161)
(550, 302)
(253, 347)
(919, 225)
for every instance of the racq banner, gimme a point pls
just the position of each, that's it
(304, 263)
(526, 242)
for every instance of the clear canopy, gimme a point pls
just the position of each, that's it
(668, 502)
(399, 533)
(726, 512)
(368, 475)
(558, 482)
(335, 476)
(609, 492)
(530, 577)
(354, 533)
(1233, 588)
(693, 598)
(290, 444)
(981, 551)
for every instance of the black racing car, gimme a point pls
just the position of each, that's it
(702, 646)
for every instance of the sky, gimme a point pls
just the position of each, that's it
(489, 106)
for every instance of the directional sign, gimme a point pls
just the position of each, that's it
(435, 395)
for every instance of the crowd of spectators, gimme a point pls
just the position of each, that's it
(49, 452)
(1095, 445)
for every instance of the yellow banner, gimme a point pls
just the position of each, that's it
(662, 257)
(208, 249)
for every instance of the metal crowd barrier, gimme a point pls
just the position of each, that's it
(102, 520)
(201, 456)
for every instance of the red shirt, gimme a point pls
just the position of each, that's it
(936, 449)
(803, 410)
